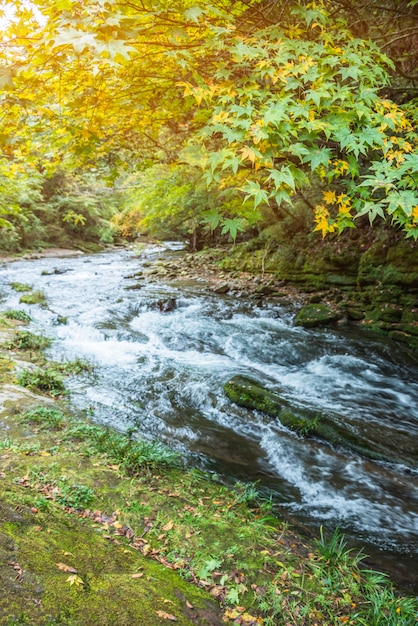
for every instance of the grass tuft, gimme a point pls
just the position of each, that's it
(25, 340)
(131, 455)
(46, 417)
(34, 297)
(17, 314)
(44, 380)
(21, 287)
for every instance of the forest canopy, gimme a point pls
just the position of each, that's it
(236, 107)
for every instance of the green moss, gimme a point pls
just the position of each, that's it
(313, 315)
(248, 393)
(68, 572)
(21, 287)
(35, 297)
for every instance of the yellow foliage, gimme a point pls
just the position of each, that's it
(329, 196)
(323, 220)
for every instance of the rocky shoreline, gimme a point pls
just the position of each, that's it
(388, 310)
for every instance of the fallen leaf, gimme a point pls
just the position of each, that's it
(66, 568)
(168, 526)
(164, 615)
(73, 579)
(139, 575)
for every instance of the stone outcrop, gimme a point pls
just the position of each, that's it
(332, 429)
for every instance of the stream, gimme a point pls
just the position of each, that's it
(162, 374)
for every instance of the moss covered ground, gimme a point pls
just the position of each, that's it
(98, 529)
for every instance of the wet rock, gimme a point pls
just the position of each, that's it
(166, 306)
(224, 288)
(265, 290)
(56, 270)
(313, 315)
(133, 287)
(390, 314)
(250, 394)
(315, 299)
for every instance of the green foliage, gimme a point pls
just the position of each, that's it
(25, 340)
(74, 495)
(46, 417)
(21, 287)
(17, 314)
(46, 380)
(298, 104)
(267, 105)
(132, 455)
(71, 368)
(169, 202)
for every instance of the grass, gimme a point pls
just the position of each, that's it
(46, 380)
(6, 369)
(135, 493)
(119, 448)
(17, 314)
(25, 340)
(46, 417)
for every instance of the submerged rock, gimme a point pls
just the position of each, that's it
(250, 394)
(166, 306)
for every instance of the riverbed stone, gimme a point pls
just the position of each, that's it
(313, 315)
(250, 394)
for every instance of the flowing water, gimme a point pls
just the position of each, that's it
(163, 374)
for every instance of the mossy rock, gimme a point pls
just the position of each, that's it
(313, 315)
(354, 314)
(388, 313)
(250, 394)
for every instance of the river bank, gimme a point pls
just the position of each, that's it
(117, 532)
(378, 294)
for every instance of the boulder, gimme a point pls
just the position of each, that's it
(166, 306)
(250, 394)
(313, 315)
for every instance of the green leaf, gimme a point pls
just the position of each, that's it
(253, 189)
(193, 13)
(282, 177)
(212, 218)
(78, 39)
(232, 226)
(372, 209)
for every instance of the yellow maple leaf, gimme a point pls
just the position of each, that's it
(329, 196)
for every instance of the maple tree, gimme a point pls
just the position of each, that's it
(276, 103)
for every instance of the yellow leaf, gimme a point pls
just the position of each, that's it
(248, 153)
(168, 526)
(329, 196)
(73, 579)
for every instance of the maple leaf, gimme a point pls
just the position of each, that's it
(167, 616)
(76, 38)
(66, 568)
(73, 579)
